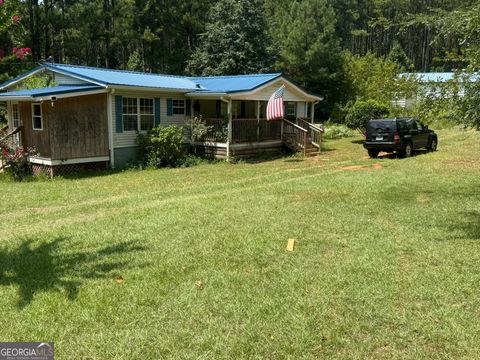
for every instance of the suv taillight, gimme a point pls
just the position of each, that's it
(396, 137)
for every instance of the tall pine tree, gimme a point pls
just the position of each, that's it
(308, 49)
(235, 40)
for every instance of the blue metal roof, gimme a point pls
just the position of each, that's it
(106, 77)
(55, 90)
(431, 76)
(237, 83)
(125, 78)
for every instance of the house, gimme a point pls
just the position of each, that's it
(91, 116)
(430, 85)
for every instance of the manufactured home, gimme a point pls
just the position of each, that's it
(91, 117)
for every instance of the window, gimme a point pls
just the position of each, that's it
(138, 114)
(15, 116)
(147, 117)
(37, 122)
(178, 107)
(130, 114)
(291, 108)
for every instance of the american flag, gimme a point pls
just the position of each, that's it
(275, 108)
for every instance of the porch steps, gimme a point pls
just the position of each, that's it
(310, 151)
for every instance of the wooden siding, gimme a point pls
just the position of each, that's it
(39, 139)
(78, 127)
(129, 138)
(73, 128)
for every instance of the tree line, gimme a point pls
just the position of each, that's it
(313, 42)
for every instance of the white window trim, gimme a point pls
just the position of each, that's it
(18, 114)
(139, 123)
(184, 107)
(33, 116)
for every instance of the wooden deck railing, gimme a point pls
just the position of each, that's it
(8, 134)
(300, 134)
(243, 130)
(316, 132)
(295, 136)
(217, 131)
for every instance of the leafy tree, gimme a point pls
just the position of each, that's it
(363, 111)
(398, 56)
(235, 40)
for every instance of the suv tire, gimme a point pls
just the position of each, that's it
(432, 146)
(407, 150)
(373, 153)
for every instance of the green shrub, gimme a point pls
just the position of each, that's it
(162, 146)
(337, 131)
(363, 111)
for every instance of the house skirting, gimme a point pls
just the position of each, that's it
(66, 167)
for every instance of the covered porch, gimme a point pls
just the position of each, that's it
(239, 128)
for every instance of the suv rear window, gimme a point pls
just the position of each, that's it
(384, 125)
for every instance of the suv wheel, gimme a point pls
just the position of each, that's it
(373, 153)
(433, 145)
(407, 150)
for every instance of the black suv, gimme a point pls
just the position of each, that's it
(401, 135)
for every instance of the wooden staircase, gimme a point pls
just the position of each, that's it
(302, 136)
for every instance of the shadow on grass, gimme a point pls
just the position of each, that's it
(89, 174)
(51, 267)
(469, 225)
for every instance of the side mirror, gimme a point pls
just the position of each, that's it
(425, 127)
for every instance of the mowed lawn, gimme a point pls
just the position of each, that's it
(191, 263)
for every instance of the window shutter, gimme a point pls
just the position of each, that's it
(157, 111)
(169, 107)
(118, 114)
(188, 106)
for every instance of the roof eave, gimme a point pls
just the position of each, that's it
(75, 75)
(206, 94)
(15, 98)
(57, 95)
(148, 88)
(21, 77)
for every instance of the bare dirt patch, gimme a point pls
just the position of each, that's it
(375, 166)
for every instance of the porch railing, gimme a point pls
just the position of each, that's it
(244, 130)
(217, 132)
(295, 136)
(302, 135)
(299, 134)
(315, 131)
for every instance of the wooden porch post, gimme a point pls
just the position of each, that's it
(258, 120)
(313, 112)
(229, 127)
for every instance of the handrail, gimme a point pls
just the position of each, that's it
(313, 126)
(13, 132)
(295, 126)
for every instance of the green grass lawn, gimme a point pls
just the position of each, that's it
(386, 263)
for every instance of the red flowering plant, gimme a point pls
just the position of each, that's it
(11, 60)
(14, 158)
